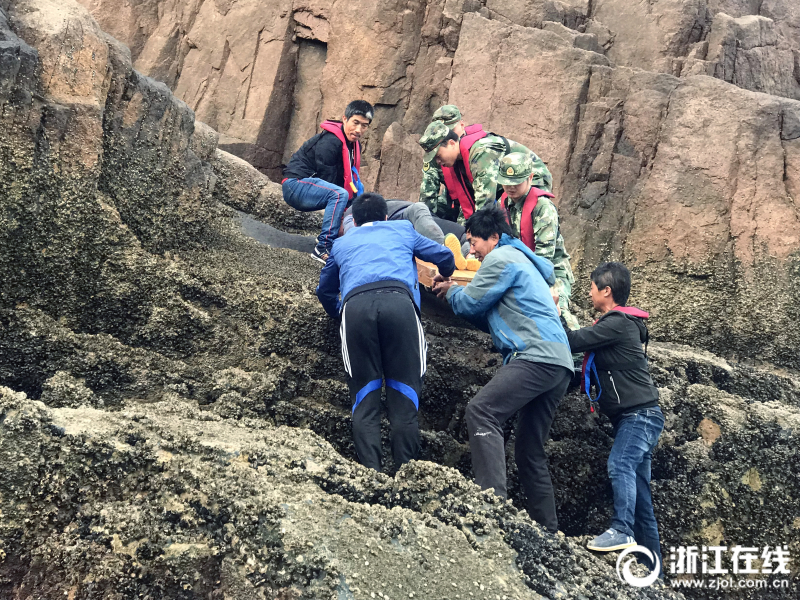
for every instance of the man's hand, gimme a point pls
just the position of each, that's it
(441, 284)
(555, 299)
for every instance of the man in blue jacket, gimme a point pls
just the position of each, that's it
(510, 298)
(372, 268)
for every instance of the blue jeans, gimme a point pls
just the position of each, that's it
(310, 194)
(635, 437)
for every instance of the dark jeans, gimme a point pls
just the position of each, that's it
(635, 436)
(316, 194)
(533, 389)
(382, 339)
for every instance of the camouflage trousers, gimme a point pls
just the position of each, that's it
(564, 290)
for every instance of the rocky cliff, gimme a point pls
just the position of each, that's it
(657, 162)
(174, 418)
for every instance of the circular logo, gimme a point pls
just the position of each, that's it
(426, 166)
(510, 171)
(625, 572)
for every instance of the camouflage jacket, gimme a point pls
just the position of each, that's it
(433, 193)
(546, 232)
(484, 162)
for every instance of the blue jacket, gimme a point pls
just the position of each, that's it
(378, 251)
(510, 297)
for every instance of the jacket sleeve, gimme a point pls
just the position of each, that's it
(483, 292)
(431, 185)
(485, 167)
(328, 160)
(605, 332)
(328, 288)
(437, 254)
(545, 229)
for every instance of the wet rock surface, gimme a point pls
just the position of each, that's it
(175, 421)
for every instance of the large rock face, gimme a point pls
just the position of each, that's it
(248, 65)
(629, 149)
(690, 181)
(264, 74)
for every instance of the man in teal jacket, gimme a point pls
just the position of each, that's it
(510, 298)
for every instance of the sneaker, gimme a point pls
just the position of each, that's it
(611, 540)
(319, 255)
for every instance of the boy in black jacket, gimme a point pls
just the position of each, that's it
(324, 172)
(616, 364)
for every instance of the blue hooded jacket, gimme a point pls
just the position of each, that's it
(510, 298)
(375, 252)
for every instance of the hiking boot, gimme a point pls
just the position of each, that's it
(454, 246)
(611, 540)
(320, 255)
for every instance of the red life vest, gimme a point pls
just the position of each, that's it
(457, 188)
(526, 223)
(335, 127)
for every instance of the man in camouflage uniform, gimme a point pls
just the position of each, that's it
(432, 191)
(442, 150)
(516, 175)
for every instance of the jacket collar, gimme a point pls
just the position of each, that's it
(544, 266)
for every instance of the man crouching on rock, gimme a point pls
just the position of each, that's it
(373, 269)
(616, 364)
(324, 172)
(510, 298)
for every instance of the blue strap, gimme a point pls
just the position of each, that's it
(357, 181)
(373, 385)
(591, 368)
(404, 389)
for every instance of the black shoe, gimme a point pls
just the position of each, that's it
(319, 255)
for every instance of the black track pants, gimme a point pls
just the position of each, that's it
(382, 338)
(533, 389)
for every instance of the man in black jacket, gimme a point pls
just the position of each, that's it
(324, 172)
(617, 365)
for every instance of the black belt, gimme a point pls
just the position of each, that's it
(388, 285)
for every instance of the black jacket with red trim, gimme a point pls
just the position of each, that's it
(616, 339)
(319, 156)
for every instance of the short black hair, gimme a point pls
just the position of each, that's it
(359, 107)
(616, 276)
(369, 207)
(486, 221)
(451, 135)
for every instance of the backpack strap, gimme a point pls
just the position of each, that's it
(589, 367)
(505, 141)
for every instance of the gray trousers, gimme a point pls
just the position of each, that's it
(533, 389)
(416, 212)
(422, 220)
